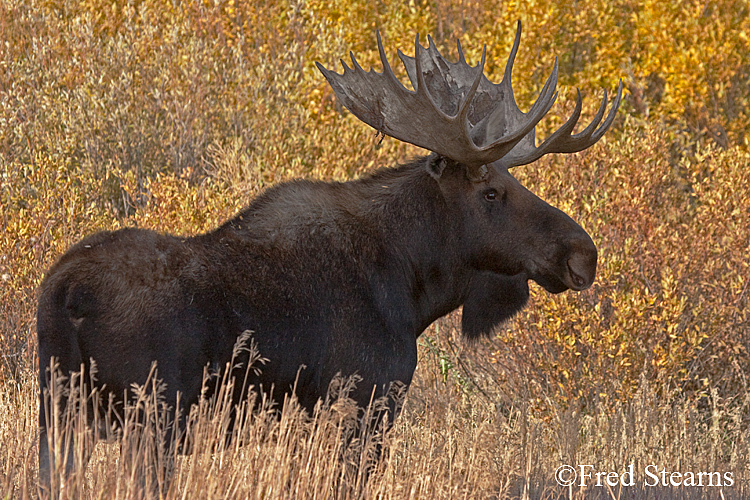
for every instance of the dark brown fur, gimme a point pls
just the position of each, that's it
(332, 278)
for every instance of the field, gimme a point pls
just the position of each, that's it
(173, 116)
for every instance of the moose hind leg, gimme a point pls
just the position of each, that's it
(62, 453)
(56, 464)
(66, 436)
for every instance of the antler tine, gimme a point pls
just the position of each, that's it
(611, 115)
(561, 141)
(384, 61)
(461, 58)
(512, 55)
(455, 111)
(463, 110)
(420, 87)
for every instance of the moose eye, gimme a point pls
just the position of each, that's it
(490, 195)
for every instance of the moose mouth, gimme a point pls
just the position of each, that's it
(549, 282)
(560, 280)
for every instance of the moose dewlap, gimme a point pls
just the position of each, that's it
(333, 278)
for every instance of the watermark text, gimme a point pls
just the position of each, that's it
(651, 475)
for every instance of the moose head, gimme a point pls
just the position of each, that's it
(476, 131)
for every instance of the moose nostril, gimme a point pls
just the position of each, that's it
(578, 271)
(577, 280)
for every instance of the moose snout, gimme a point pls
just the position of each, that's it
(581, 265)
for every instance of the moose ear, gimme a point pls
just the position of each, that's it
(436, 164)
(493, 298)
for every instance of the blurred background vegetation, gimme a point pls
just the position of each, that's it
(172, 115)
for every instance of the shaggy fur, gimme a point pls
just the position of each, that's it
(332, 278)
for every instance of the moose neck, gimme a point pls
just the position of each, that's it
(423, 266)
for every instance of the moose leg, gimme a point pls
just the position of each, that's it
(366, 446)
(50, 462)
(67, 411)
(56, 436)
(149, 441)
(63, 448)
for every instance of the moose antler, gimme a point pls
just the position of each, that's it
(457, 112)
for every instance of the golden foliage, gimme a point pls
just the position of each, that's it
(153, 85)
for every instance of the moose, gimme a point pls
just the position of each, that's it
(334, 278)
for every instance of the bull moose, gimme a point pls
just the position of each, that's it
(335, 277)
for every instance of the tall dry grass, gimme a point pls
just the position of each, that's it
(448, 443)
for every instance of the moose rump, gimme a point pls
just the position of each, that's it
(334, 278)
